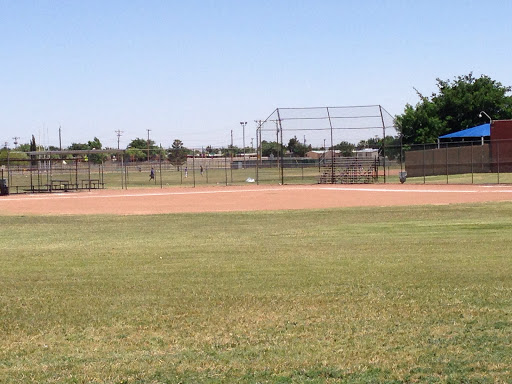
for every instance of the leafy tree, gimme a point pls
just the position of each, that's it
(177, 153)
(96, 158)
(14, 156)
(392, 148)
(230, 150)
(24, 147)
(142, 144)
(78, 147)
(33, 148)
(271, 148)
(135, 154)
(345, 148)
(297, 148)
(456, 106)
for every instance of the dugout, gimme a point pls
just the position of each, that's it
(58, 171)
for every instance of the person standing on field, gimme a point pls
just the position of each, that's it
(152, 174)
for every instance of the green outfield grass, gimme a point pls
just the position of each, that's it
(405, 294)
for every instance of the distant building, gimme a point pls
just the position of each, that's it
(367, 153)
(327, 154)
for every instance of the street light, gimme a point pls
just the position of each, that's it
(483, 113)
(243, 124)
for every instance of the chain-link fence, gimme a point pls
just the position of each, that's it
(478, 161)
(464, 162)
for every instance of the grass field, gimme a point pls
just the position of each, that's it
(400, 294)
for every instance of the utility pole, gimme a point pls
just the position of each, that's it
(149, 130)
(60, 138)
(258, 139)
(304, 140)
(243, 124)
(15, 138)
(119, 133)
(252, 141)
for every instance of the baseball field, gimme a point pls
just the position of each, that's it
(258, 284)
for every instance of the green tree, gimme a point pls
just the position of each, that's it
(95, 158)
(135, 154)
(78, 147)
(392, 146)
(178, 153)
(345, 148)
(24, 147)
(33, 148)
(15, 157)
(271, 148)
(231, 150)
(142, 144)
(297, 148)
(456, 106)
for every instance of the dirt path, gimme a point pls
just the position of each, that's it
(247, 198)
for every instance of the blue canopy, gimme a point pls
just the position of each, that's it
(478, 131)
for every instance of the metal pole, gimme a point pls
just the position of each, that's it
(243, 124)
(277, 142)
(122, 172)
(383, 141)
(472, 173)
(332, 147)
(194, 167)
(446, 163)
(226, 168)
(424, 178)
(280, 128)
(89, 162)
(498, 149)
(257, 156)
(161, 182)
(8, 170)
(149, 130)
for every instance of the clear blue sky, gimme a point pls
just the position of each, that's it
(194, 69)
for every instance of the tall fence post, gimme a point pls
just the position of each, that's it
(226, 169)
(424, 177)
(194, 167)
(160, 165)
(498, 150)
(446, 163)
(472, 170)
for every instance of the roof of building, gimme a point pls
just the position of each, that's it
(478, 131)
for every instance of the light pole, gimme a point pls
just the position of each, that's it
(483, 113)
(243, 124)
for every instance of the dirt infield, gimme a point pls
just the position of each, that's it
(246, 198)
